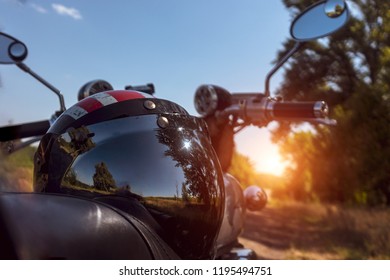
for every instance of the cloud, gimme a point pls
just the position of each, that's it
(66, 11)
(38, 8)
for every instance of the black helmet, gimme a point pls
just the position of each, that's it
(145, 156)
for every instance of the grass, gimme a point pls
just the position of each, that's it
(16, 171)
(360, 233)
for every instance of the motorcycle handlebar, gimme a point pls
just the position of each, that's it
(19, 131)
(297, 110)
(260, 110)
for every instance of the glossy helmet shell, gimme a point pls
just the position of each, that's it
(142, 155)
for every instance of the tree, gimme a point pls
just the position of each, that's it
(103, 179)
(243, 170)
(298, 149)
(350, 70)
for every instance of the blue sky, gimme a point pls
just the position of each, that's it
(178, 45)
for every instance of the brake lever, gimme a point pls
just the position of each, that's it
(330, 122)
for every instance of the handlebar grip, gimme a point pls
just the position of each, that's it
(13, 132)
(298, 110)
(148, 88)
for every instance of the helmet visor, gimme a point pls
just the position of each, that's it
(165, 166)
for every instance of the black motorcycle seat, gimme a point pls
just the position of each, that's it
(50, 226)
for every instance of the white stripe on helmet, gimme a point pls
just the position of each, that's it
(104, 98)
(75, 112)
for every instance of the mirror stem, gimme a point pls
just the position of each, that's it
(278, 65)
(25, 68)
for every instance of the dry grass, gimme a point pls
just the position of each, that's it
(365, 233)
(302, 231)
(16, 180)
(16, 173)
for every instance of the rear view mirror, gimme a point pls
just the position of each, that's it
(11, 50)
(255, 198)
(319, 20)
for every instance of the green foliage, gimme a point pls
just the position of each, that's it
(22, 158)
(242, 169)
(350, 162)
(297, 147)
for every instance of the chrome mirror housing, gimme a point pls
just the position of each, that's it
(255, 198)
(11, 50)
(320, 20)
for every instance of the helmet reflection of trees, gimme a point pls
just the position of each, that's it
(184, 193)
(197, 170)
(80, 141)
(103, 179)
(196, 218)
(71, 177)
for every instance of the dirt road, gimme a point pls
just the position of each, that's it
(300, 232)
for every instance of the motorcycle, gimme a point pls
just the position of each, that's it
(84, 210)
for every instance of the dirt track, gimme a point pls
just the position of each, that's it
(293, 233)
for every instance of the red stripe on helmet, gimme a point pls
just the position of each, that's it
(122, 95)
(90, 104)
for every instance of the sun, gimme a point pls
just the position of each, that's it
(271, 163)
(265, 156)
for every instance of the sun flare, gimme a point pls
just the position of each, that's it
(271, 163)
(265, 155)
